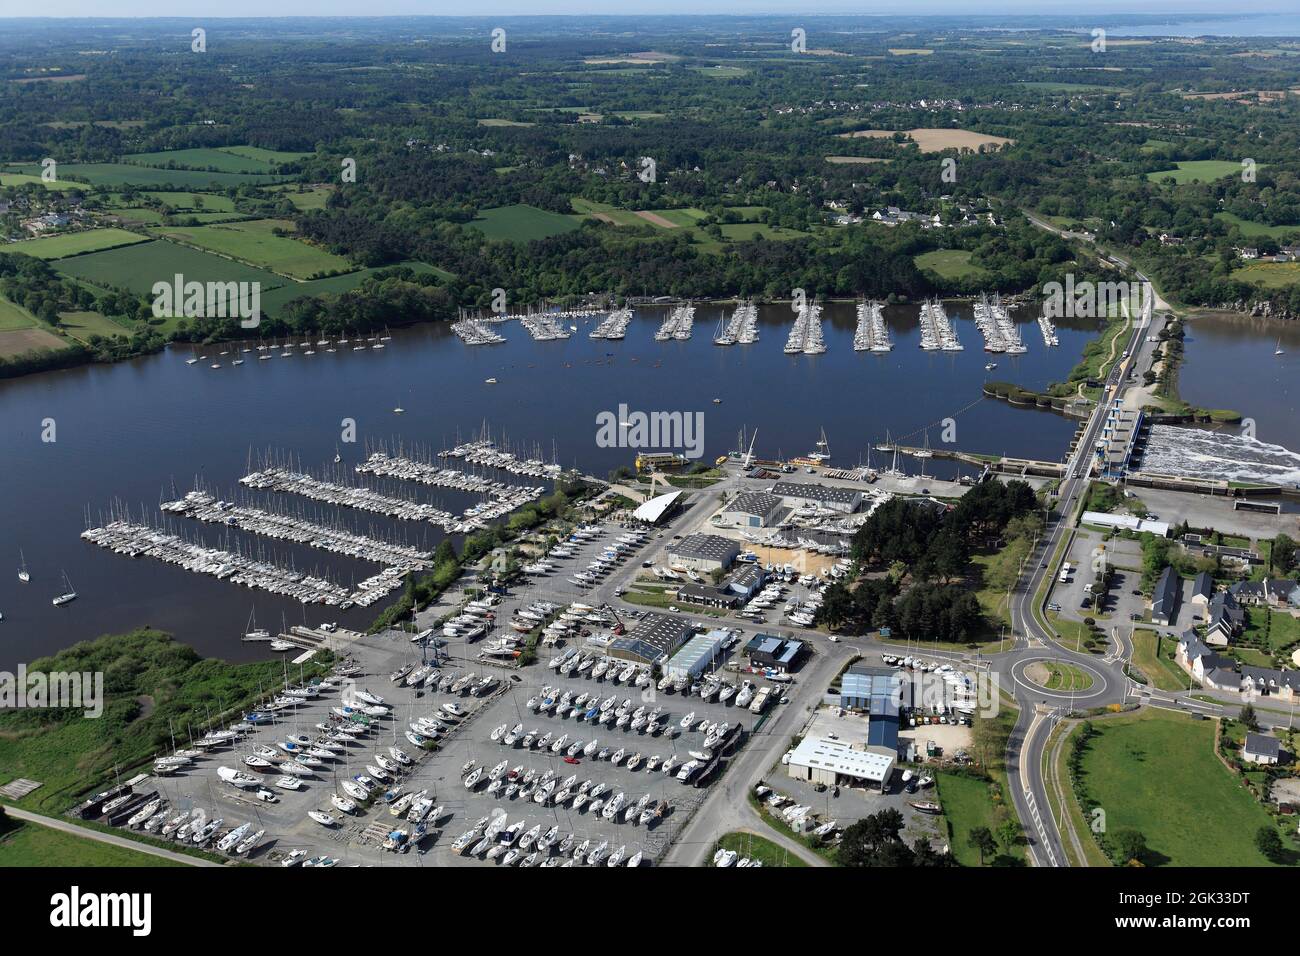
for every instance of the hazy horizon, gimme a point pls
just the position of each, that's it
(258, 9)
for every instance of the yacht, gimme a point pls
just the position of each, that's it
(68, 596)
(23, 575)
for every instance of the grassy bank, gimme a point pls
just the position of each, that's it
(153, 687)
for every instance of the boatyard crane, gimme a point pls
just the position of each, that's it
(619, 628)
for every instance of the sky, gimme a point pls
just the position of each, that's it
(479, 8)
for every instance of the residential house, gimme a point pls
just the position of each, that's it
(1194, 656)
(1202, 590)
(1248, 593)
(1227, 619)
(1261, 749)
(1166, 597)
(1281, 593)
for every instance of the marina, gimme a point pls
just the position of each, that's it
(544, 326)
(994, 322)
(741, 328)
(204, 507)
(677, 324)
(614, 325)
(806, 334)
(871, 335)
(937, 332)
(474, 517)
(110, 422)
(476, 332)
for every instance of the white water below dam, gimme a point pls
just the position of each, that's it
(1196, 453)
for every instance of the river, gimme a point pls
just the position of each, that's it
(132, 434)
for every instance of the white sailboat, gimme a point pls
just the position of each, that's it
(22, 567)
(1278, 350)
(68, 596)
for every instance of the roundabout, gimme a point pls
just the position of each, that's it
(1059, 678)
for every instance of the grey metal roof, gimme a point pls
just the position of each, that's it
(811, 492)
(708, 546)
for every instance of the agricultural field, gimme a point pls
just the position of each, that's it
(14, 316)
(744, 231)
(304, 200)
(333, 285)
(19, 341)
(121, 174)
(676, 218)
(1253, 230)
(936, 140)
(1154, 771)
(34, 179)
(948, 263)
(605, 212)
(1271, 275)
(522, 223)
(851, 160)
(214, 160)
(82, 325)
(137, 267)
(255, 243)
(1197, 171)
(75, 243)
(180, 201)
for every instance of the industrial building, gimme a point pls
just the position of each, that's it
(703, 552)
(705, 595)
(655, 510)
(697, 655)
(655, 638)
(1104, 519)
(752, 509)
(834, 762)
(820, 496)
(773, 653)
(747, 580)
(880, 693)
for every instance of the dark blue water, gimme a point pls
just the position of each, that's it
(128, 434)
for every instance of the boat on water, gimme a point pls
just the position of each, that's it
(23, 574)
(68, 596)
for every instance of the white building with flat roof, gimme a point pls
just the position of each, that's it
(822, 760)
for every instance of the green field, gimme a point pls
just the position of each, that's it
(1253, 229)
(1197, 171)
(948, 263)
(254, 242)
(30, 844)
(521, 223)
(29, 179)
(216, 160)
(599, 210)
(139, 266)
(305, 200)
(277, 298)
(967, 804)
(1271, 275)
(744, 231)
(1160, 672)
(1156, 772)
(75, 243)
(13, 316)
(82, 325)
(680, 217)
(120, 174)
(759, 848)
(194, 201)
(274, 157)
